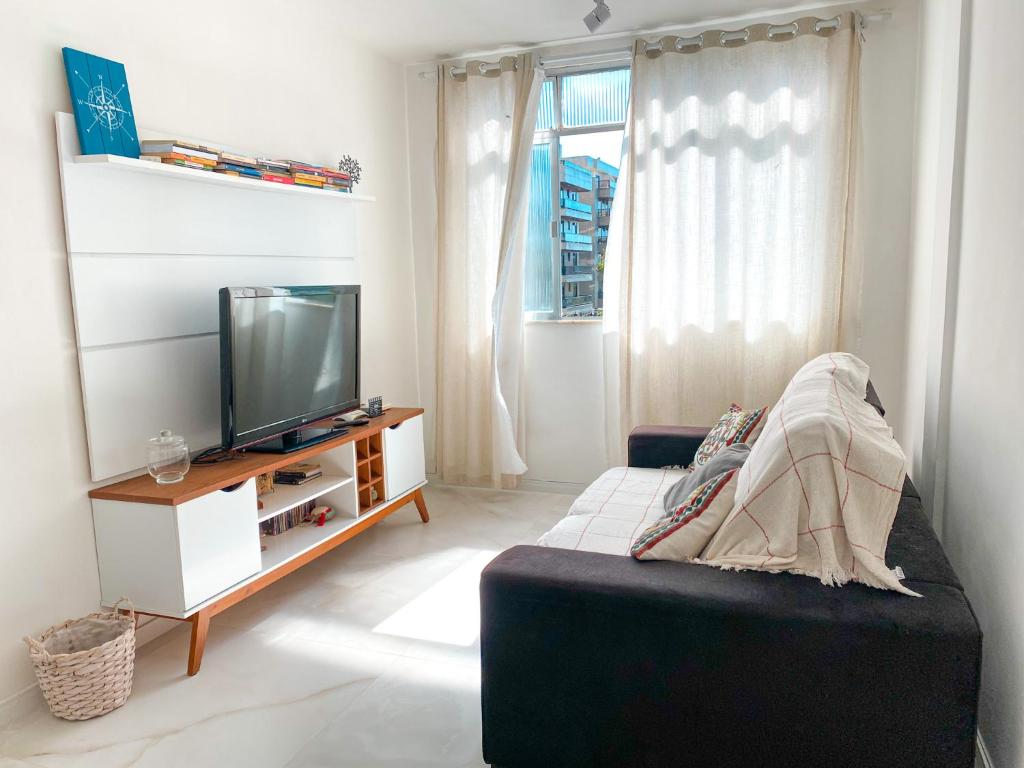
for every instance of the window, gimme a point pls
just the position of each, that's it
(575, 167)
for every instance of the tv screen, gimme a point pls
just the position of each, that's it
(289, 356)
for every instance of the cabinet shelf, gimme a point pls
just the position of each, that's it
(373, 480)
(296, 541)
(369, 458)
(118, 163)
(287, 497)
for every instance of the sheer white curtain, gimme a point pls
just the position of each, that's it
(485, 131)
(729, 246)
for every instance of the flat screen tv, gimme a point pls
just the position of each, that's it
(289, 356)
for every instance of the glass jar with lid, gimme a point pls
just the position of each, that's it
(167, 457)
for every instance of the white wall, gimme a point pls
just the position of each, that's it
(236, 71)
(983, 528)
(931, 296)
(564, 404)
(889, 72)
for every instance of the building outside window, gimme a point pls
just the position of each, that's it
(576, 154)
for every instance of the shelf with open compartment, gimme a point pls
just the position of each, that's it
(370, 472)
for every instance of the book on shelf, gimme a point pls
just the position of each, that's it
(297, 167)
(179, 156)
(300, 468)
(185, 164)
(275, 166)
(177, 146)
(296, 480)
(278, 178)
(230, 158)
(237, 170)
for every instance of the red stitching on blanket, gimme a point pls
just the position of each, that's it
(632, 536)
(803, 490)
(601, 508)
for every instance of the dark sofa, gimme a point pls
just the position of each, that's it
(599, 660)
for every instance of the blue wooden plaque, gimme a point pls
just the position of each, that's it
(102, 106)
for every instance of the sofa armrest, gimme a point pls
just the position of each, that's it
(599, 660)
(662, 446)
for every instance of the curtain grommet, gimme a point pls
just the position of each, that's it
(685, 43)
(780, 32)
(734, 39)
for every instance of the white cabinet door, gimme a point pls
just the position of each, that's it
(219, 540)
(404, 467)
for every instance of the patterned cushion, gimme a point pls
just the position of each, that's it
(735, 426)
(684, 534)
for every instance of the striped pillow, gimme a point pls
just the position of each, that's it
(735, 426)
(683, 535)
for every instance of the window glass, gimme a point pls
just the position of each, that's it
(589, 173)
(540, 278)
(595, 98)
(573, 179)
(546, 109)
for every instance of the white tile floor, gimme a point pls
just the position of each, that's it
(366, 657)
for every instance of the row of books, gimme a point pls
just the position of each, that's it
(186, 154)
(293, 518)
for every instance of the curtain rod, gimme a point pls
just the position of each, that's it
(625, 54)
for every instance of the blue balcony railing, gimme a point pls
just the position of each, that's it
(575, 209)
(574, 176)
(575, 302)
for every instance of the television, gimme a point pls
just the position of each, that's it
(289, 356)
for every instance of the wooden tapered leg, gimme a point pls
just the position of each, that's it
(200, 627)
(421, 505)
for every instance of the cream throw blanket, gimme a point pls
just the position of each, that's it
(820, 490)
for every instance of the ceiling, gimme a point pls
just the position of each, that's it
(424, 30)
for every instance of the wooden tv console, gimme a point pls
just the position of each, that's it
(190, 550)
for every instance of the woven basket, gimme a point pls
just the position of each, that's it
(85, 666)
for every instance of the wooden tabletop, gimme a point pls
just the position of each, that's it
(205, 478)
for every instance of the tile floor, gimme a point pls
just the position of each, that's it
(366, 657)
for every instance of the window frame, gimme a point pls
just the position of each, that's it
(552, 137)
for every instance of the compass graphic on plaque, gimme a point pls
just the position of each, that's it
(102, 106)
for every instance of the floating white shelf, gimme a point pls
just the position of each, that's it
(286, 497)
(133, 165)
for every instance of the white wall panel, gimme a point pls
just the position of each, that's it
(122, 299)
(147, 253)
(131, 392)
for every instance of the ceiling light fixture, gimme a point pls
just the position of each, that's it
(598, 16)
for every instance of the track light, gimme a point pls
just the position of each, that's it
(598, 16)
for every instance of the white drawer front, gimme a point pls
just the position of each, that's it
(219, 541)
(404, 467)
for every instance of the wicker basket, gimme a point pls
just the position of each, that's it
(85, 666)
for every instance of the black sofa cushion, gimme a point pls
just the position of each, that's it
(914, 546)
(599, 660)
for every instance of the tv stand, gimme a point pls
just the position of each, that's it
(190, 550)
(298, 439)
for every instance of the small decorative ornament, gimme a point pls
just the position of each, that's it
(167, 458)
(374, 406)
(351, 166)
(264, 483)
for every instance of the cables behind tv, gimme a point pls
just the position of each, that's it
(213, 456)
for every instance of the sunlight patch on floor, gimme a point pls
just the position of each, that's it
(447, 612)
